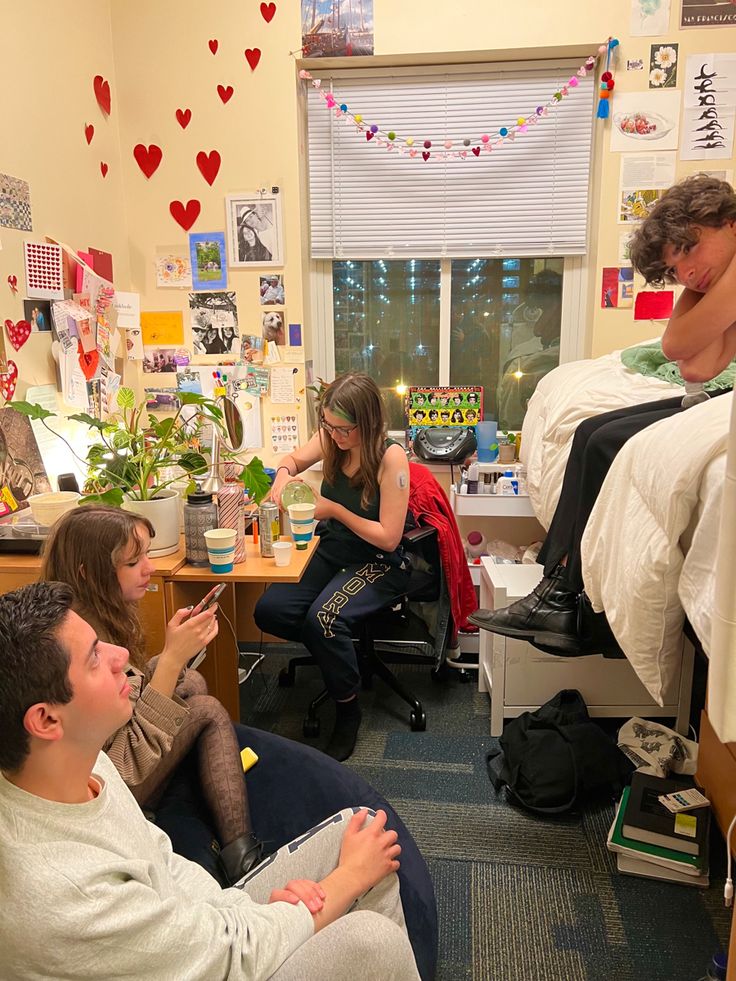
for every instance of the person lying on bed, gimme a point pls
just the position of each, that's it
(689, 239)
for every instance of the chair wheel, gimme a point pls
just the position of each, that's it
(439, 675)
(418, 721)
(310, 728)
(285, 679)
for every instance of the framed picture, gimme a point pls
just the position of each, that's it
(254, 232)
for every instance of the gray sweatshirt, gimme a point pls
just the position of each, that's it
(94, 891)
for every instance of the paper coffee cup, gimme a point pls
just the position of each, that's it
(301, 518)
(282, 553)
(220, 548)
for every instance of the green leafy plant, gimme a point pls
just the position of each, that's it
(132, 451)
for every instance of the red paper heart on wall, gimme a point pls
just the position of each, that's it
(368, 135)
(18, 333)
(102, 93)
(147, 157)
(103, 168)
(13, 283)
(213, 45)
(185, 215)
(425, 155)
(476, 151)
(209, 165)
(252, 56)
(267, 11)
(183, 117)
(8, 381)
(88, 361)
(89, 132)
(225, 93)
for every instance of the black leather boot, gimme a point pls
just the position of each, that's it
(548, 615)
(240, 856)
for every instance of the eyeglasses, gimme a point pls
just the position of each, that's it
(343, 431)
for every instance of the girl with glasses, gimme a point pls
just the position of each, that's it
(359, 567)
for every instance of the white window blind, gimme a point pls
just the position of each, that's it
(528, 197)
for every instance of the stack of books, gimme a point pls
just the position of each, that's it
(651, 841)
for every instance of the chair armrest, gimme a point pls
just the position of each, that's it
(418, 534)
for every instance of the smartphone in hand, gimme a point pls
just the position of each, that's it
(205, 603)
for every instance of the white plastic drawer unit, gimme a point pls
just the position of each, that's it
(519, 678)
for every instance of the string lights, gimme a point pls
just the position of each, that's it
(448, 149)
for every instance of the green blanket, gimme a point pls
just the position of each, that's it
(648, 359)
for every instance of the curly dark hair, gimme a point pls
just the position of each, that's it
(697, 201)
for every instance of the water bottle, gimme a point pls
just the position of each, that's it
(231, 508)
(200, 514)
(718, 968)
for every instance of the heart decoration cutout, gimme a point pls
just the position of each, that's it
(368, 135)
(185, 215)
(103, 168)
(102, 93)
(267, 11)
(252, 56)
(425, 155)
(209, 165)
(213, 45)
(13, 283)
(89, 132)
(88, 361)
(147, 157)
(18, 333)
(476, 151)
(183, 117)
(8, 381)
(225, 93)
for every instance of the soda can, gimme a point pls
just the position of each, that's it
(269, 527)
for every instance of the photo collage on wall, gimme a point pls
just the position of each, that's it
(444, 406)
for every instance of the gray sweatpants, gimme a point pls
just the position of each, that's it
(371, 938)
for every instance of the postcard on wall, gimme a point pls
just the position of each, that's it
(710, 106)
(252, 349)
(208, 260)
(643, 179)
(332, 30)
(295, 335)
(645, 120)
(134, 344)
(15, 203)
(272, 290)
(161, 399)
(271, 353)
(164, 359)
(257, 379)
(173, 268)
(128, 308)
(162, 328)
(284, 434)
(648, 19)
(254, 230)
(44, 271)
(707, 13)
(282, 384)
(38, 314)
(624, 248)
(214, 322)
(663, 66)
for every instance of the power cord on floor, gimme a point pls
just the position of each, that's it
(728, 888)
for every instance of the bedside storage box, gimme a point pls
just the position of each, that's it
(519, 678)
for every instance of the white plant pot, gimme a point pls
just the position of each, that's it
(163, 513)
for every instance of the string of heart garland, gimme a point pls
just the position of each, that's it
(390, 140)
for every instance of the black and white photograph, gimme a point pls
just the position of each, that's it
(273, 327)
(214, 320)
(255, 236)
(272, 290)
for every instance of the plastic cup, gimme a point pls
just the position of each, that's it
(301, 517)
(221, 548)
(485, 434)
(282, 553)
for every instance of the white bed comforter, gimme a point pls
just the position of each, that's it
(562, 400)
(664, 480)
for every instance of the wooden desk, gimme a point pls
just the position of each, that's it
(175, 584)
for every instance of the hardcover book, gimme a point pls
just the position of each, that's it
(666, 857)
(647, 819)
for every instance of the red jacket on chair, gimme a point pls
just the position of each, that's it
(429, 505)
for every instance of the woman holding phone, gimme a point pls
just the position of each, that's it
(102, 553)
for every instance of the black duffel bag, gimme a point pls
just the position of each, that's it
(550, 760)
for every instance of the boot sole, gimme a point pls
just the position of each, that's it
(558, 643)
(504, 631)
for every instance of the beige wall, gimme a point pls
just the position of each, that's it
(156, 56)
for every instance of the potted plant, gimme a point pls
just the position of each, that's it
(506, 447)
(135, 457)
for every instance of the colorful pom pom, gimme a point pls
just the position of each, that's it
(503, 131)
(427, 144)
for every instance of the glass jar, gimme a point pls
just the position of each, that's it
(200, 515)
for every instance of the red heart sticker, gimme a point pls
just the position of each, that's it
(185, 215)
(8, 381)
(13, 283)
(103, 168)
(102, 93)
(89, 132)
(225, 93)
(183, 117)
(476, 151)
(425, 155)
(209, 165)
(368, 135)
(88, 361)
(267, 11)
(18, 333)
(147, 157)
(253, 56)
(213, 45)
